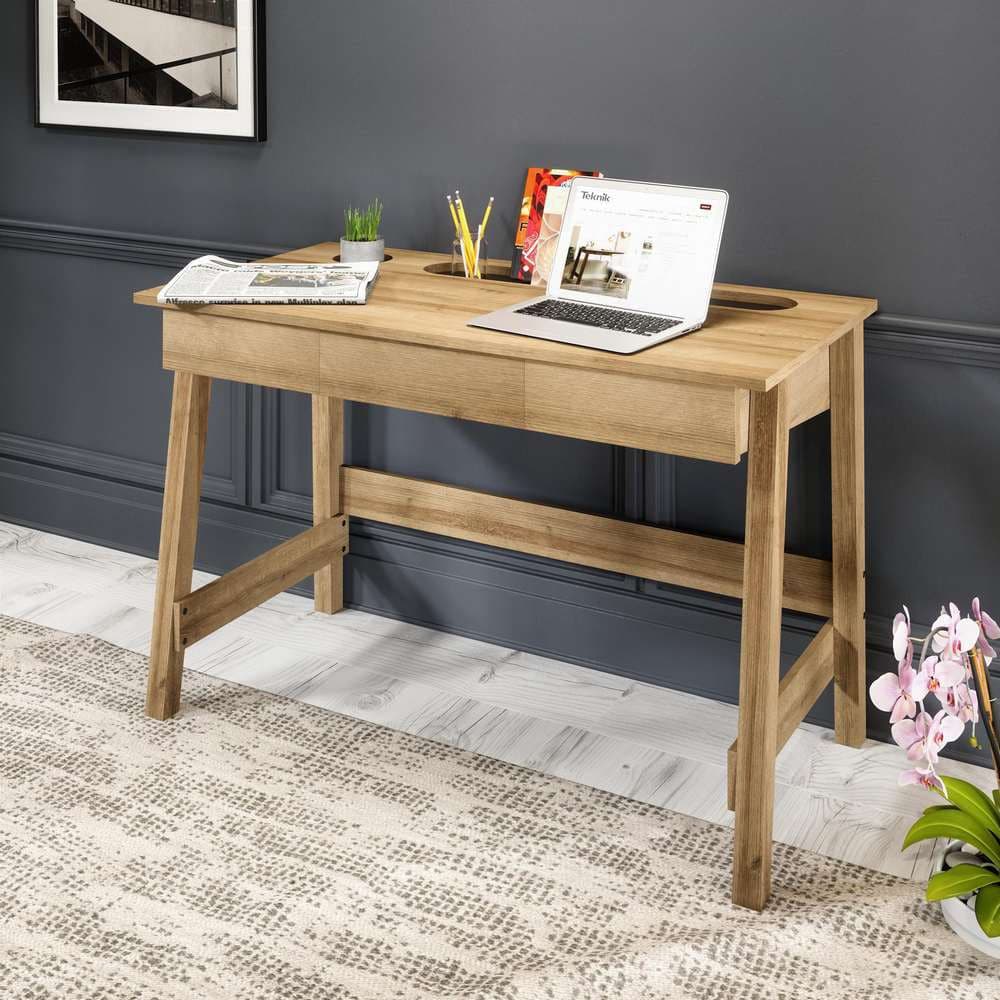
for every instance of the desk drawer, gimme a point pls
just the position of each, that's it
(679, 418)
(450, 383)
(281, 357)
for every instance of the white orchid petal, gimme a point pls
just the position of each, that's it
(951, 727)
(950, 672)
(990, 627)
(905, 708)
(968, 634)
(901, 644)
(884, 692)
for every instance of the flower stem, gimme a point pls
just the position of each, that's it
(982, 679)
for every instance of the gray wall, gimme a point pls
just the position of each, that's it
(859, 144)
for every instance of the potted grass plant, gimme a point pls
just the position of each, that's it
(952, 668)
(362, 239)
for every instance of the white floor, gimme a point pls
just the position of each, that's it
(645, 742)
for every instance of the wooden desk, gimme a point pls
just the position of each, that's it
(765, 361)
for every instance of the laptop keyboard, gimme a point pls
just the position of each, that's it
(619, 320)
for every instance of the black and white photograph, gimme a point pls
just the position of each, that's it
(179, 66)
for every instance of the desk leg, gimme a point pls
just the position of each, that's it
(178, 534)
(764, 558)
(328, 457)
(847, 449)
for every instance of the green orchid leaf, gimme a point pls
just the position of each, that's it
(975, 802)
(988, 910)
(960, 880)
(954, 824)
(996, 797)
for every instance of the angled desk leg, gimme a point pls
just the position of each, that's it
(764, 558)
(178, 534)
(328, 457)
(848, 479)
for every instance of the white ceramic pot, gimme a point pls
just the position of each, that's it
(960, 917)
(358, 251)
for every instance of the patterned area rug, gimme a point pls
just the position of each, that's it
(256, 847)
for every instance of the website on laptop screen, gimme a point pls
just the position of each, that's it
(651, 249)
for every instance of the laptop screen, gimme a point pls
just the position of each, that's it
(649, 247)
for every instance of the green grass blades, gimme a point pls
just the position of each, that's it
(954, 824)
(988, 910)
(974, 803)
(960, 880)
(363, 224)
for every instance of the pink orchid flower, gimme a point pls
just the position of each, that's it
(940, 674)
(911, 734)
(988, 629)
(960, 636)
(962, 702)
(924, 737)
(899, 693)
(919, 776)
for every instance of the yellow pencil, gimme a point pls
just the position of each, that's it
(464, 230)
(466, 235)
(482, 232)
(479, 240)
(454, 217)
(486, 214)
(459, 235)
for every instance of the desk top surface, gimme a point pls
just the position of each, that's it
(754, 338)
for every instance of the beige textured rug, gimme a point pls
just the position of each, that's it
(256, 847)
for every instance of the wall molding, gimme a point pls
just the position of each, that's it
(922, 339)
(106, 465)
(107, 244)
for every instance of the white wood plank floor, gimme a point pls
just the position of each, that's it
(645, 742)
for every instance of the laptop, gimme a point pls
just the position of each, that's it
(634, 266)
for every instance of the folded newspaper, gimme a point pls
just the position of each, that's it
(214, 280)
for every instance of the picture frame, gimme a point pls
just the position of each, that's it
(180, 68)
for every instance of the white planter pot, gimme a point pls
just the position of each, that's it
(356, 251)
(960, 918)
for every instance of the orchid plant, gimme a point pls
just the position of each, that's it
(951, 668)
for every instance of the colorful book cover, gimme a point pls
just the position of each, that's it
(522, 219)
(530, 220)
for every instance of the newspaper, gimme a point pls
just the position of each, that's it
(214, 280)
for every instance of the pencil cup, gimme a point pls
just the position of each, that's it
(457, 263)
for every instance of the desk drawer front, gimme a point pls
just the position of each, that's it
(450, 383)
(697, 421)
(282, 357)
